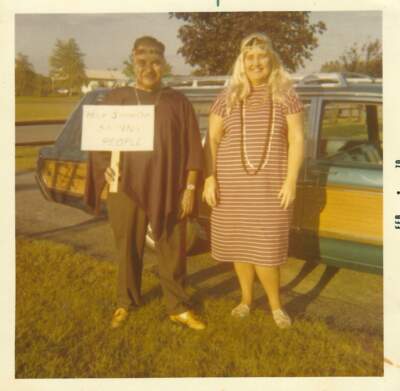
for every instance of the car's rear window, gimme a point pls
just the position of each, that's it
(351, 131)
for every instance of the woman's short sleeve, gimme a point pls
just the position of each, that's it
(292, 103)
(219, 105)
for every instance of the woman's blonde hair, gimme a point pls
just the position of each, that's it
(239, 87)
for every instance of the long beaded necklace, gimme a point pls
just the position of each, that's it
(158, 97)
(267, 146)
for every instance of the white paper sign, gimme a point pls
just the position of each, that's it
(117, 128)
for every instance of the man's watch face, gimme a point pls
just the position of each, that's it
(190, 187)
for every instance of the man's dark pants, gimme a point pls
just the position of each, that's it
(129, 224)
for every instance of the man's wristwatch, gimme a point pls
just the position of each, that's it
(190, 186)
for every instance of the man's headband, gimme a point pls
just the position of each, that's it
(147, 50)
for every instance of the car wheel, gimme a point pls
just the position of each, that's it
(192, 235)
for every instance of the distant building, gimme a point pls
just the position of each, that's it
(104, 78)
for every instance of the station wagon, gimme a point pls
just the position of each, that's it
(338, 209)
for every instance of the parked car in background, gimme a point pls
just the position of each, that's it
(338, 211)
(63, 91)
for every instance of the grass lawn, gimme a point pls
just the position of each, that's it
(25, 158)
(64, 305)
(28, 108)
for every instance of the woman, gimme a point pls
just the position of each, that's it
(254, 154)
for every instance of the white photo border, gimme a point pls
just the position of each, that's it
(391, 50)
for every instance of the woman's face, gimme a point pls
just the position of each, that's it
(257, 65)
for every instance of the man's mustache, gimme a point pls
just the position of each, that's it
(149, 74)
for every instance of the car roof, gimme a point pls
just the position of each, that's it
(356, 88)
(207, 87)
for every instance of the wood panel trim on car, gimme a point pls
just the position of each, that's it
(66, 177)
(339, 212)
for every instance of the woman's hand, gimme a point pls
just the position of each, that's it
(187, 203)
(288, 193)
(210, 192)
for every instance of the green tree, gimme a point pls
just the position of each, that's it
(67, 65)
(361, 59)
(168, 69)
(211, 40)
(24, 76)
(127, 69)
(43, 85)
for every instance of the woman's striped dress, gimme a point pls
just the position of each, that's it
(248, 224)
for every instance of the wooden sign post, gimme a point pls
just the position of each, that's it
(115, 155)
(116, 129)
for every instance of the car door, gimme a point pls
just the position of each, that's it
(309, 105)
(341, 192)
(61, 168)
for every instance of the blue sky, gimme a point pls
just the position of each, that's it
(106, 39)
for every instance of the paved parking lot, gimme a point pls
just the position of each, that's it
(37, 133)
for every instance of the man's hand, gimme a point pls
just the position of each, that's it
(109, 175)
(187, 203)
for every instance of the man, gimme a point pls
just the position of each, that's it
(156, 187)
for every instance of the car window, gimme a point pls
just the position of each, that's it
(351, 132)
(99, 98)
(380, 124)
(202, 110)
(307, 120)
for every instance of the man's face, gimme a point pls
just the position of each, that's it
(148, 66)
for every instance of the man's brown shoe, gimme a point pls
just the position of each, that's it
(188, 319)
(119, 317)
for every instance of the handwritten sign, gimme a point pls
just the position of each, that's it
(117, 128)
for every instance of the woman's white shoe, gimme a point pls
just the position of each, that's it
(281, 318)
(241, 311)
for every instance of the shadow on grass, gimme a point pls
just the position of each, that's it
(231, 284)
(217, 289)
(307, 268)
(298, 305)
(229, 287)
(210, 272)
(200, 247)
(153, 294)
(195, 280)
(220, 289)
